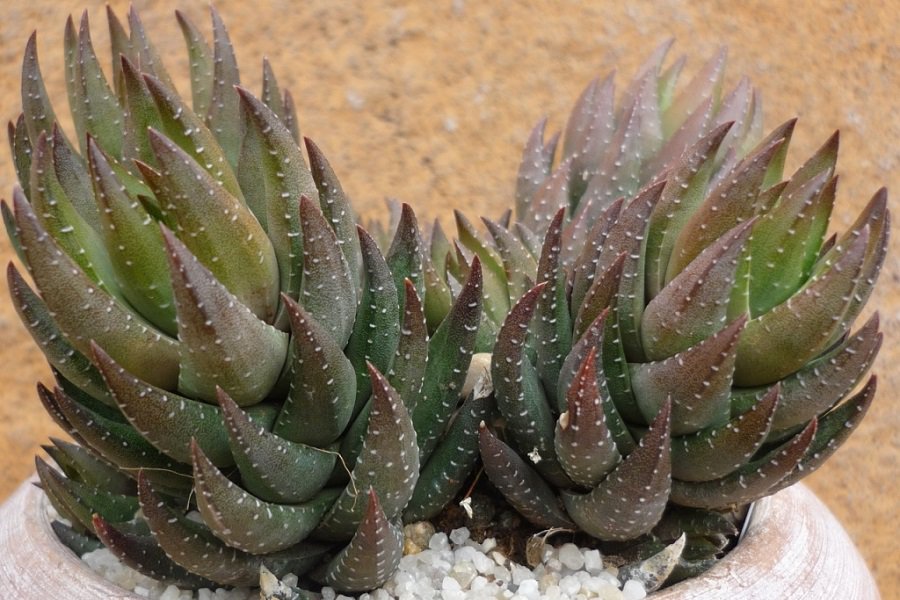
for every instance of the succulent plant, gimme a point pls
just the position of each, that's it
(249, 378)
(673, 325)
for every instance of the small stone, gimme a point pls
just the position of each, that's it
(593, 562)
(570, 555)
(569, 585)
(529, 589)
(416, 537)
(459, 536)
(464, 573)
(520, 574)
(439, 542)
(498, 557)
(634, 590)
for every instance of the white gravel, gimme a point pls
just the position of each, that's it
(452, 567)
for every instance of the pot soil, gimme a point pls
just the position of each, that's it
(794, 548)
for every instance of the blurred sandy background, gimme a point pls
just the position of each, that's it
(430, 102)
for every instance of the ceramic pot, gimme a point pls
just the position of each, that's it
(794, 549)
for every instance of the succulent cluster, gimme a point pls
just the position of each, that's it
(224, 336)
(674, 323)
(256, 382)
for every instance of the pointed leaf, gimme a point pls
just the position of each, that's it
(247, 523)
(39, 115)
(519, 483)
(81, 464)
(376, 330)
(327, 290)
(273, 468)
(388, 463)
(717, 451)
(372, 555)
(201, 62)
(694, 305)
(584, 268)
(450, 351)
(323, 383)
(84, 312)
(748, 483)
(584, 444)
(535, 167)
(631, 500)
(496, 291)
(147, 57)
(223, 116)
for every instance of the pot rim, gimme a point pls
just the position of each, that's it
(784, 534)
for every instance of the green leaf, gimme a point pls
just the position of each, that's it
(20, 148)
(694, 305)
(246, 522)
(39, 115)
(372, 555)
(535, 167)
(83, 465)
(327, 291)
(223, 116)
(272, 467)
(85, 312)
(141, 114)
(584, 268)
(208, 220)
(697, 381)
(520, 484)
(323, 383)
(450, 351)
(249, 354)
(717, 451)
(376, 330)
(201, 62)
(584, 444)
(388, 463)
(145, 53)
(631, 500)
(496, 291)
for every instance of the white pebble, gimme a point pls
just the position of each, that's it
(593, 562)
(459, 536)
(570, 555)
(634, 590)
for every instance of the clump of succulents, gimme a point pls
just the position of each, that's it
(673, 322)
(225, 339)
(256, 383)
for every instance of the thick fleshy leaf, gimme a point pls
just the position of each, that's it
(834, 427)
(134, 244)
(141, 113)
(629, 235)
(519, 483)
(76, 541)
(146, 54)
(588, 132)
(717, 451)
(96, 109)
(601, 296)
(551, 334)
(36, 317)
(207, 219)
(223, 344)
(72, 174)
(81, 500)
(223, 116)
(120, 45)
(167, 420)
(584, 444)
(584, 268)
(372, 555)
(697, 381)
(748, 483)
(731, 202)
(685, 189)
(20, 148)
(323, 383)
(143, 554)
(201, 62)
(596, 337)
(496, 291)
(62, 221)
(551, 197)
(273, 468)
(327, 289)
(271, 94)
(519, 265)
(407, 373)
(535, 167)
(273, 176)
(376, 330)
(654, 571)
(193, 546)
(453, 461)
(246, 522)
(83, 465)
(786, 243)
(706, 83)
(520, 396)
(190, 133)
(336, 207)
(290, 116)
(631, 500)
(784, 339)
(823, 161)
(39, 115)
(822, 383)
(450, 351)
(84, 312)
(388, 463)
(406, 256)
(694, 305)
